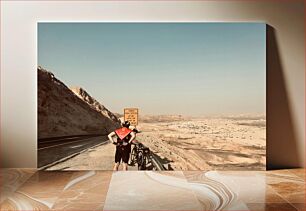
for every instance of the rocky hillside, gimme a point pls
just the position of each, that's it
(81, 93)
(63, 112)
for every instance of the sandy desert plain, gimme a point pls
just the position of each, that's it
(223, 143)
(186, 143)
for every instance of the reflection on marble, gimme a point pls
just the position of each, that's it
(250, 187)
(11, 179)
(290, 191)
(148, 190)
(211, 194)
(287, 184)
(299, 172)
(271, 207)
(299, 206)
(289, 175)
(178, 174)
(85, 191)
(152, 190)
(40, 191)
(227, 198)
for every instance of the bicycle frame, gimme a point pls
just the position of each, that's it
(140, 155)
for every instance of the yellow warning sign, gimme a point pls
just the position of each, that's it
(131, 115)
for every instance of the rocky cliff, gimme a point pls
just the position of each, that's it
(63, 112)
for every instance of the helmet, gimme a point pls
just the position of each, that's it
(126, 124)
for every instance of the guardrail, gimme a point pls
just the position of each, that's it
(159, 166)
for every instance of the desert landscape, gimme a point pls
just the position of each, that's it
(186, 143)
(73, 128)
(226, 142)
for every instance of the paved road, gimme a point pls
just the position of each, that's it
(96, 158)
(55, 149)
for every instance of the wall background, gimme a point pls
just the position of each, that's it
(285, 63)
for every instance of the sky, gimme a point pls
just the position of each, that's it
(194, 69)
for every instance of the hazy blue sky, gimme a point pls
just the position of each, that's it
(161, 68)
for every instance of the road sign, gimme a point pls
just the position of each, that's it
(131, 115)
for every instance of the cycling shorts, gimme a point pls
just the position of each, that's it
(122, 153)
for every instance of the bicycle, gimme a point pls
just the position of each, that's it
(140, 155)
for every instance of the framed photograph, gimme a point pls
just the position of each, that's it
(151, 96)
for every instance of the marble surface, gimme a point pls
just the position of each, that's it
(27, 189)
(148, 190)
(39, 192)
(223, 197)
(290, 184)
(85, 191)
(54, 190)
(11, 179)
(271, 206)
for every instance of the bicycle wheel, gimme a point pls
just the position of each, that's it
(144, 163)
(149, 164)
(133, 157)
(140, 160)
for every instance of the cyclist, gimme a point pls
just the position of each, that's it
(123, 144)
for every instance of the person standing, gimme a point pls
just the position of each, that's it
(124, 136)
